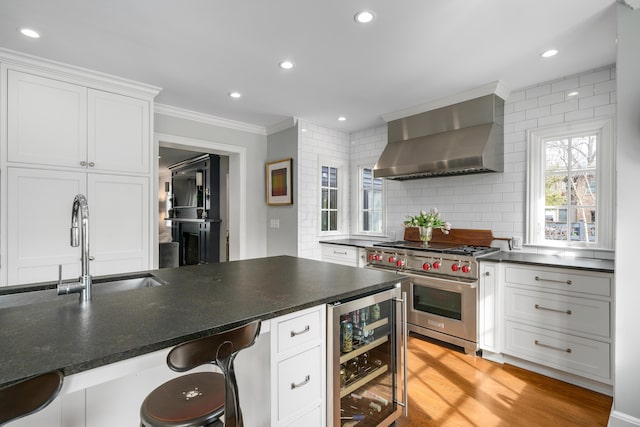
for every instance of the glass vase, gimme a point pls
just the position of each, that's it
(425, 235)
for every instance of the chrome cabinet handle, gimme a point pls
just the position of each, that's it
(540, 279)
(539, 307)
(304, 331)
(567, 350)
(339, 253)
(306, 381)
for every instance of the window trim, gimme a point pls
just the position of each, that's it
(359, 208)
(605, 168)
(343, 189)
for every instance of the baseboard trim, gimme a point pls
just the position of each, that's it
(620, 419)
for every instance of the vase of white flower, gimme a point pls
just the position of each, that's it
(426, 222)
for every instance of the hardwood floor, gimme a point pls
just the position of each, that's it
(448, 388)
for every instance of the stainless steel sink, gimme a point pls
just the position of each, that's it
(99, 287)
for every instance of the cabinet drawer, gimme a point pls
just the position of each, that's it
(580, 356)
(340, 254)
(299, 382)
(299, 330)
(559, 280)
(313, 418)
(565, 313)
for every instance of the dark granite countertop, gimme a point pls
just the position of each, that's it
(196, 301)
(592, 264)
(359, 243)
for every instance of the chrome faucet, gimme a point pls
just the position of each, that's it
(80, 209)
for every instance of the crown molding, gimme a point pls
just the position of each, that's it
(495, 87)
(208, 119)
(95, 79)
(287, 123)
(633, 4)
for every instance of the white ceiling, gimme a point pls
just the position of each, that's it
(414, 52)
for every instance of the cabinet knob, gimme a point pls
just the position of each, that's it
(487, 273)
(91, 164)
(83, 163)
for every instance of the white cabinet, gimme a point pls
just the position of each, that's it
(343, 254)
(489, 308)
(298, 368)
(55, 123)
(39, 209)
(559, 318)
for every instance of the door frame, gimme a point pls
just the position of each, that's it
(237, 184)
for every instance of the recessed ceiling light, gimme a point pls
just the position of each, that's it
(549, 53)
(28, 32)
(342, 118)
(286, 65)
(235, 94)
(574, 93)
(364, 17)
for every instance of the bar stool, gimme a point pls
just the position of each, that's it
(31, 395)
(201, 399)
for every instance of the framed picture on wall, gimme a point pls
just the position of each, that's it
(279, 182)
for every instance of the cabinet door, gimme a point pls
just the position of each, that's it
(39, 213)
(118, 133)
(47, 121)
(119, 225)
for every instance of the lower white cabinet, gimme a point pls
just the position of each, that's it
(298, 368)
(546, 317)
(39, 210)
(343, 254)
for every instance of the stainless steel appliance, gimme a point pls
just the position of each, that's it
(442, 289)
(366, 359)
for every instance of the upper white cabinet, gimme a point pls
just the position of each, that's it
(55, 123)
(46, 121)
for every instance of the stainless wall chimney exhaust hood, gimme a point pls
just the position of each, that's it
(462, 138)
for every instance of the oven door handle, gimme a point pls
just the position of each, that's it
(471, 284)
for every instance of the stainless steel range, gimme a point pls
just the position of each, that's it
(443, 287)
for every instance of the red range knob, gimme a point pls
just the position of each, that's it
(437, 265)
(378, 257)
(426, 266)
(392, 259)
(372, 257)
(466, 268)
(455, 267)
(400, 263)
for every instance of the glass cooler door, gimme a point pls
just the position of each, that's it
(366, 366)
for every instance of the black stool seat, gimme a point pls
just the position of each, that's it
(203, 398)
(31, 395)
(194, 399)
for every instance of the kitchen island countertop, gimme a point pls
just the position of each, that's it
(195, 301)
(590, 264)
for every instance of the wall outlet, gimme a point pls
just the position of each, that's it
(516, 242)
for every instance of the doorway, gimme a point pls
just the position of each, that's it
(171, 149)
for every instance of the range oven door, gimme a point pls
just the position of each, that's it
(444, 309)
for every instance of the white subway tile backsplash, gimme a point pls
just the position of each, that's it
(494, 201)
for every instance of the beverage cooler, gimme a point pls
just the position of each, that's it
(366, 366)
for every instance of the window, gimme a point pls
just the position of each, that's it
(370, 202)
(329, 204)
(567, 164)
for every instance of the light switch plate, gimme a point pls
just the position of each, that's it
(516, 242)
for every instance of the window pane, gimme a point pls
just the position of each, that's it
(557, 155)
(325, 220)
(325, 198)
(377, 201)
(377, 222)
(333, 220)
(582, 193)
(366, 225)
(333, 199)
(333, 177)
(366, 199)
(583, 152)
(555, 193)
(325, 176)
